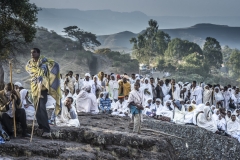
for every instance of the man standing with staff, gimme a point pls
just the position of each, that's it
(45, 79)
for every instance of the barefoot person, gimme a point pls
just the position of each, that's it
(45, 79)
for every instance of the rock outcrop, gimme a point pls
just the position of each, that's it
(109, 137)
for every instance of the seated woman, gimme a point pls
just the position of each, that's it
(149, 108)
(188, 120)
(105, 103)
(179, 112)
(204, 120)
(27, 104)
(166, 110)
(233, 127)
(68, 116)
(86, 101)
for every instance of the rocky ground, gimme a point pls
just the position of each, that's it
(104, 137)
(99, 137)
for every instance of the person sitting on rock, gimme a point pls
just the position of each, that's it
(233, 127)
(105, 103)
(68, 116)
(204, 120)
(166, 110)
(150, 108)
(120, 107)
(7, 96)
(86, 101)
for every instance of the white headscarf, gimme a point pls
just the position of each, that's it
(18, 84)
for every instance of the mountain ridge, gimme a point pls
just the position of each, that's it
(226, 35)
(104, 22)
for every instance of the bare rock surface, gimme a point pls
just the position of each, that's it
(109, 137)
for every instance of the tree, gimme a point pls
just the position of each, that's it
(194, 64)
(151, 43)
(85, 39)
(234, 61)
(212, 52)
(17, 28)
(178, 49)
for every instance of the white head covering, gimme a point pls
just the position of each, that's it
(87, 74)
(158, 100)
(18, 84)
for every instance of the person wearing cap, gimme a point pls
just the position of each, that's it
(166, 110)
(120, 107)
(87, 80)
(18, 86)
(233, 127)
(158, 106)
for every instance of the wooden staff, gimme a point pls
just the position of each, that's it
(173, 101)
(39, 95)
(13, 102)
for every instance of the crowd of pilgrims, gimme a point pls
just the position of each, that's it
(212, 107)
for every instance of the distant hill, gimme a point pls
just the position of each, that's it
(104, 22)
(224, 34)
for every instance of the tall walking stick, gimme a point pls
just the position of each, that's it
(39, 95)
(13, 102)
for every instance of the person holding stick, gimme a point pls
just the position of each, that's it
(45, 79)
(10, 103)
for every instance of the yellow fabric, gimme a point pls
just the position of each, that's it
(100, 76)
(35, 70)
(124, 88)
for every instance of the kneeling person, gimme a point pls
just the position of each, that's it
(68, 116)
(7, 96)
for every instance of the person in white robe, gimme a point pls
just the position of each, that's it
(78, 83)
(147, 89)
(113, 87)
(27, 104)
(221, 123)
(199, 109)
(166, 110)
(233, 127)
(66, 94)
(120, 108)
(158, 106)
(215, 115)
(196, 93)
(87, 80)
(62, 84)
(204, 120)
(207, 94)
(96, 87)
(174, 91)
(179, 112)
(149, 107)
(228, 116)
(69, 82)
(85, 101)
(218, 97)
(136, 102)
(68, 116)
(226, 94)
(75, 97)
(188, 119)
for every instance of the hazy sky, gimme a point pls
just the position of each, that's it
(152, 7)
